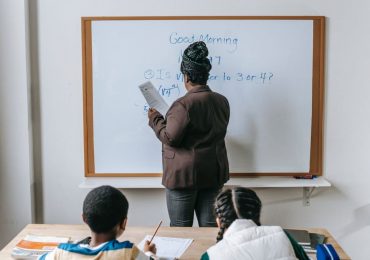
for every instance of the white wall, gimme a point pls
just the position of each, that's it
(343, 209)
(15, 134)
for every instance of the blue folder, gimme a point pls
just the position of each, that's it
(326, 252)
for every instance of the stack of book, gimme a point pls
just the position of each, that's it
(307, 240)
(33, 246)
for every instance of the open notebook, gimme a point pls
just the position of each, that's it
(168, 247)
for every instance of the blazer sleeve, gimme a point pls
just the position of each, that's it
(171, 131)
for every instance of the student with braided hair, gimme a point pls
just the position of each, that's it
(241, 235)
(194, 157)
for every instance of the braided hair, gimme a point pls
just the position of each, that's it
(195, 63)
(236, 203)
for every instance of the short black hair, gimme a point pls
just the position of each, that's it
(104, 207)
(195, 63)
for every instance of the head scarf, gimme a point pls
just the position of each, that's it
(194, 59)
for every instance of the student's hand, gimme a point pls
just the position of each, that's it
(150, 247)
(151, 111)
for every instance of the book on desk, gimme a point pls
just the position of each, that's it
(307, 240)
(33, 246)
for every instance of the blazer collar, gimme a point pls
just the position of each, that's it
(201, 88)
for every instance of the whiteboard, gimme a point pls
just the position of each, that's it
(263, 67)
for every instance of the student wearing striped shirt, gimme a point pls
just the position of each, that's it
(105, 212)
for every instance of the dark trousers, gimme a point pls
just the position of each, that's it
(181, 205)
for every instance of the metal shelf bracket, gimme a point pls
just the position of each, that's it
(307, 192)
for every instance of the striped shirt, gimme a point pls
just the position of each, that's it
(109, 250)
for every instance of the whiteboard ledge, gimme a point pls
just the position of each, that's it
(250, 182)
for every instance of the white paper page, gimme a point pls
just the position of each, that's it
(45, 239)
(153, 98)
(168, 247)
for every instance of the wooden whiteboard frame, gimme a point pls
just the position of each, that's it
(316, 150)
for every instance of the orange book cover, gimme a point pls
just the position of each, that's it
(40, 243)
(33, 246)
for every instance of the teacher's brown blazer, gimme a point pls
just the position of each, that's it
(193, 137)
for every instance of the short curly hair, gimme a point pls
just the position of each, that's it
(103, 208)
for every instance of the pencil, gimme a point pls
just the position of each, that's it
(160, 223)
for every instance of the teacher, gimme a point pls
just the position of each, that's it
(195, 164)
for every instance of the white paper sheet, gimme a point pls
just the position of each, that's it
(168, 247)
(153, 98)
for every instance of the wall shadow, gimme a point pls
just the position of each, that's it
(33, 6)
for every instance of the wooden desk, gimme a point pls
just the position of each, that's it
(203, 237)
